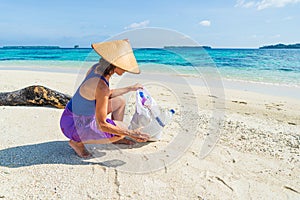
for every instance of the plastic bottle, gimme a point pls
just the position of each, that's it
(156, 126)
(168, 116)
(154, 111)
(163, 118)
(144, 99)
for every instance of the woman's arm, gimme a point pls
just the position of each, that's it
(121, 91)
(102, 96)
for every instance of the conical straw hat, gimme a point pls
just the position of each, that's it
(118, 53)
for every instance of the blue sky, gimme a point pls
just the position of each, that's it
(227, 23)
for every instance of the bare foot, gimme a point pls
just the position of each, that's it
(124, 141)
(79, 148)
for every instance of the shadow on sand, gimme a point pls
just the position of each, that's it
(55, 152)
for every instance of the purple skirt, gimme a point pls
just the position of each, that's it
(82, 128)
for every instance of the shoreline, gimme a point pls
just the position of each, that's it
(228, 75)
(274, 89)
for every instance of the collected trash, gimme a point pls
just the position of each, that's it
(149, 115)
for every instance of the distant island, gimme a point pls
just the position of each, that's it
(281, 46)
(172, 47)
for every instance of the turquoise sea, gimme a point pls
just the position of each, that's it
(272, 66)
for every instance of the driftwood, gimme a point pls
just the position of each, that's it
(35, 95)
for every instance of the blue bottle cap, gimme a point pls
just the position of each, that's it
(172, 111)
(141, 94)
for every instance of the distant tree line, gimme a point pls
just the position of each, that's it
(281, 46)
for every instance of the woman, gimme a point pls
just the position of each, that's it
(84, 120)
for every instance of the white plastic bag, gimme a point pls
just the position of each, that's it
(149, 116)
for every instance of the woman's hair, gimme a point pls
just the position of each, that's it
(105, 68)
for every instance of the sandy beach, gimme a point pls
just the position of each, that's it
(257, 155)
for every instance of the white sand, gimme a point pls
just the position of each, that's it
(256, 157)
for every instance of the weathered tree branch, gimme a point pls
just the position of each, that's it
(35, 95)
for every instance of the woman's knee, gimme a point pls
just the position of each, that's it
(121, 101)
(116, 103)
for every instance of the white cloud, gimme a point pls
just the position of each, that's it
(205, 23)
(263, 4)
(243, 4)
(138, 25)
(274, 3)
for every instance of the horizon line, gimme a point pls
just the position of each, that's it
(153, 47)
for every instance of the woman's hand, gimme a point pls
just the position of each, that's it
(136, 87)
(121, 91)
(139, 136)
